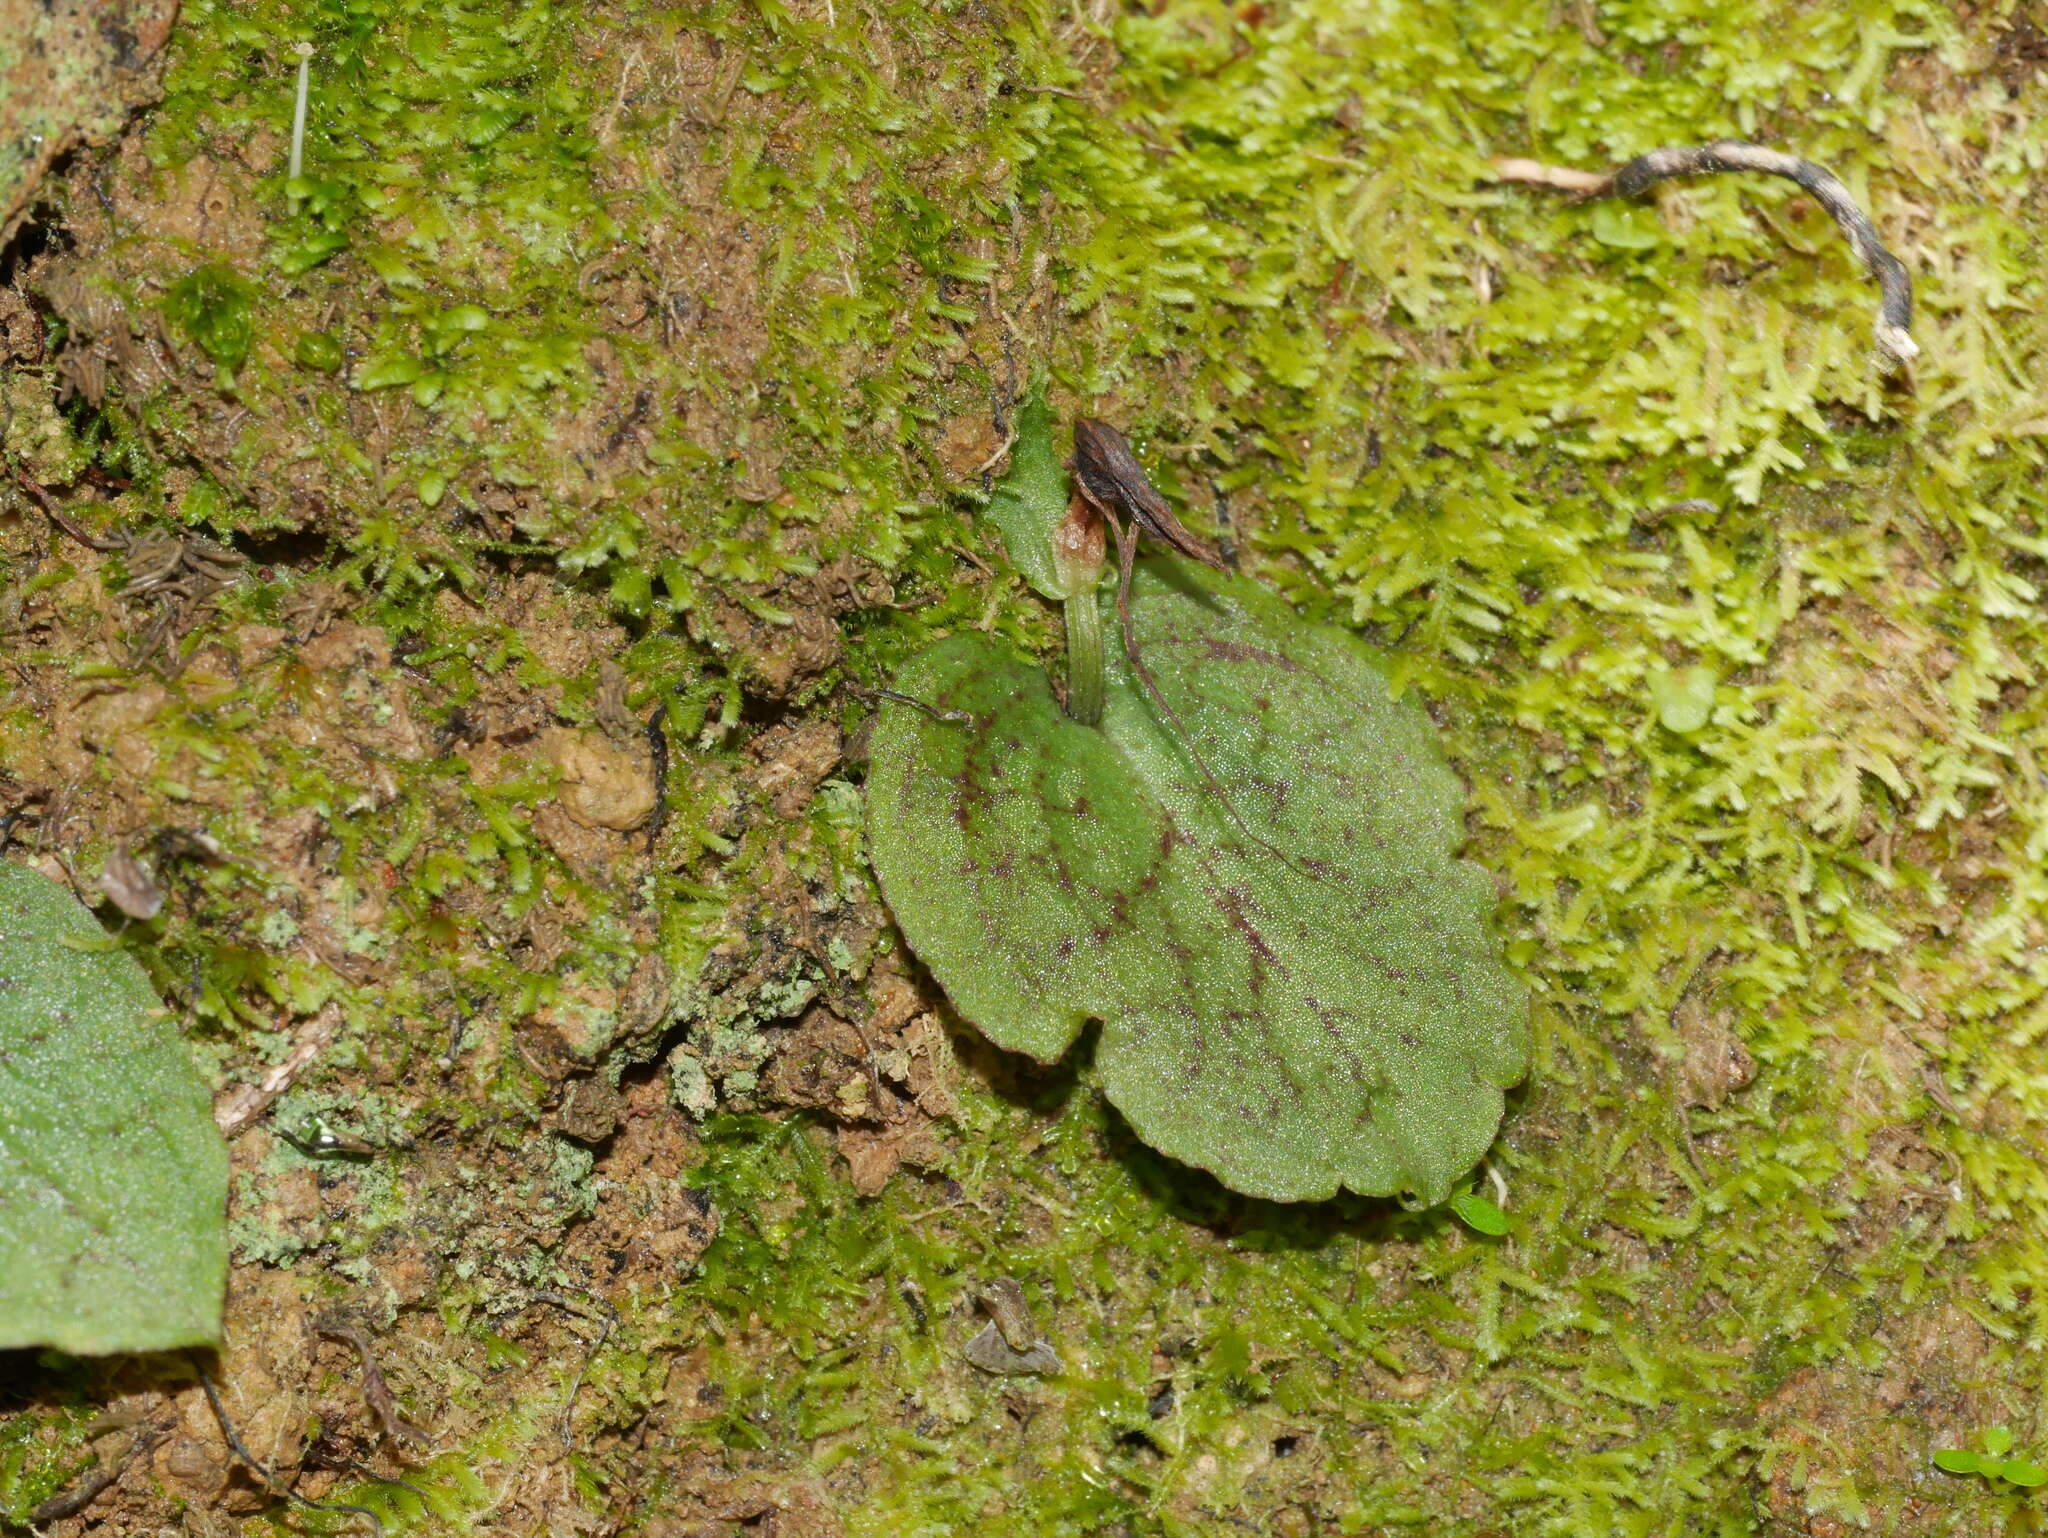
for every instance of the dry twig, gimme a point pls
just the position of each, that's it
(376, 1392)
(238, 1107)
(1895, 287)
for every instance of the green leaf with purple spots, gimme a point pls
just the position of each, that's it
(113, 1179)
(1299, 988)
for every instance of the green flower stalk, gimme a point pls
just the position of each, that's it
(1077, 555)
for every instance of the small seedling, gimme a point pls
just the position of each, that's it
(1991, 1461)
(297, 163)
(214, 306)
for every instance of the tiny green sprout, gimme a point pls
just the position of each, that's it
(1991, 1461)
(1031, 499)
(214, 306)
(298, 157)
(1684, 698)
(1479, 1214)
(319, 351)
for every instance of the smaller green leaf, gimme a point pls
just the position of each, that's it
(1998, 1441)
(1958, 1460)
(382, 373)
(1684, 699)
(2018, 1471)
(1477, 1213)
(1031, 499)
(320, 351)
(1627, 227)
(463, 317)
(311, 252)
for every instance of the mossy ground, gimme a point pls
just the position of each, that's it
(632, 360)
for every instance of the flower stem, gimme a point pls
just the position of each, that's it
(1084, 657)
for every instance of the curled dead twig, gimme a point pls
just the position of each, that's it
(376, 1392)
(1895, 286)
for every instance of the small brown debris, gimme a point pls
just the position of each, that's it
(1009, 1345)
(874, 1155)
(347, 646)
(603, 785)
(590, 1111)
(794, 761)
(130, 886)
(238, 1107)
(1004, 1300)
(1535, 173)
(967, 444)
(690, 1224)
(1716, 1063)
(608, 705)
(584, 1019)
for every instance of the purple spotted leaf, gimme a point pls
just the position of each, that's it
(113, 1178)
(1297, 982)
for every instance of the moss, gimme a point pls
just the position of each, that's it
(39, 1454)
(653, 326)
(212, 305)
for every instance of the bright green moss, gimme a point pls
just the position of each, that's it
(213, 306)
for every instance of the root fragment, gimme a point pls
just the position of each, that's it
(1895, 287)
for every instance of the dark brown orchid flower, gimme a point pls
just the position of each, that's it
(1116, 483)
(1116, 487)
